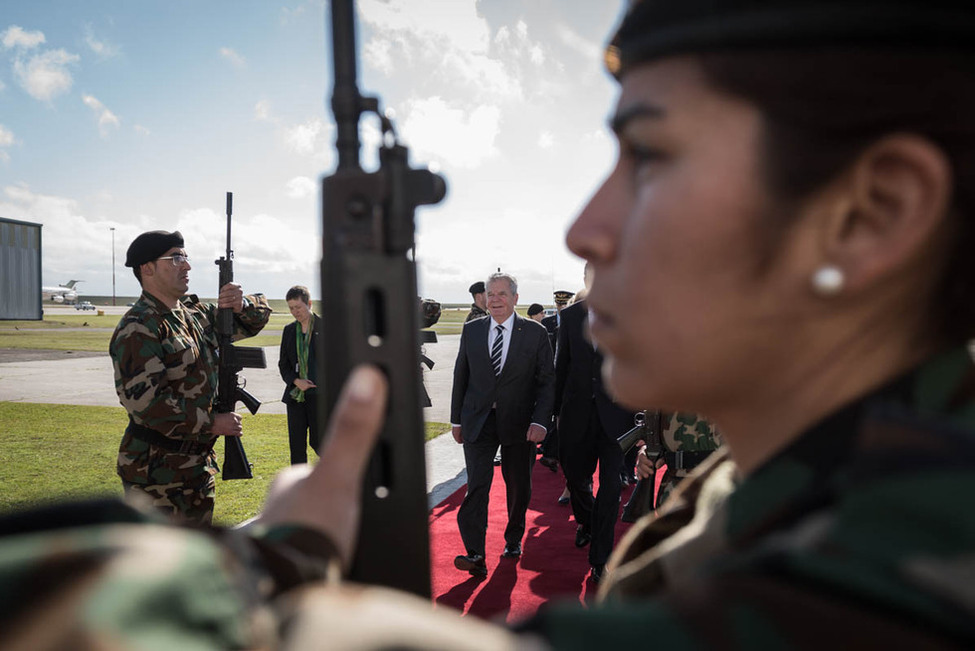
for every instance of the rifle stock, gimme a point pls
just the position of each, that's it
(232, 360)
(368, 281)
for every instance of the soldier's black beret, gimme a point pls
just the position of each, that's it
(656, 28)
(562, 296)
(477, 288)
(534, 309)
(151, 245)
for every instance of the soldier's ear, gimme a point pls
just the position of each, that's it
(147, 269)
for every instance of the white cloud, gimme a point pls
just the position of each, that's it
(45, 76)
(16, 36)
(301, 187)
(2, 85)
(141, 130)
(6, 139)
(546, 140)
(106, 119)
(460, 137)
(231, 55)
(75, 246)
(101, 48)
(445, 39)
(306, 138)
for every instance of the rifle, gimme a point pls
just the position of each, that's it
(232, 360)
(369, 293)
(648, 430)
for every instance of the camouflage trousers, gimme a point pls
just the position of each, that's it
(181, 501)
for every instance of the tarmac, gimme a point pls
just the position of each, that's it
(87, 379)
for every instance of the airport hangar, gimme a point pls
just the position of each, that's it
(20, 270)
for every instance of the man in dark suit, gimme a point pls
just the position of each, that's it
(589, 423)
(550, 446)
(504, 384)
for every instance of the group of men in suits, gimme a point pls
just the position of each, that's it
(507, 385)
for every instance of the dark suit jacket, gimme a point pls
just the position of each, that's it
(524, 392)
(288, 358)
(579, 381)
(551, 324)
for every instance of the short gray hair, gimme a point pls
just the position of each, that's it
(512, 281)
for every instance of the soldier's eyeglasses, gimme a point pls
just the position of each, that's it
(177, 258)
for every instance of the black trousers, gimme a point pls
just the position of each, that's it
(303, 428)
(579, 454)
(516, 469)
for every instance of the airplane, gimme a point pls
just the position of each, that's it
(65, 293)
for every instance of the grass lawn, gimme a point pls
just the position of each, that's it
(71, 331)
(53, 452)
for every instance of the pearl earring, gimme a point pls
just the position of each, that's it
(828, 280)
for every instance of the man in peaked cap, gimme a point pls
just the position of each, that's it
(164, 352)
(479, 306)
(551, 323)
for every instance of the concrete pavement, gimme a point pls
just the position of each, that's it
(89, 381)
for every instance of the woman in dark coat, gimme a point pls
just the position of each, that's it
(297, 366)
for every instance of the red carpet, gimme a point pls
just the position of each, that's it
(551, 566)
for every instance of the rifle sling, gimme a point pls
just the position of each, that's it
(152, 437)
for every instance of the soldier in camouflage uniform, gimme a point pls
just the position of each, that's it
(164, 352)
(477, 291)
(687, 440)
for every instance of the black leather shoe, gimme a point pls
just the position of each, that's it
(511, 551)
(596, 573)
(549, 462)
(582, 537)
(563, 500)
(473, 563)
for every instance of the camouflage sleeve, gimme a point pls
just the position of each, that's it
(250, 321)
(253, 317)
(140, 358)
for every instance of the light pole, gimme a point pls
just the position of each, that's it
(112, 228)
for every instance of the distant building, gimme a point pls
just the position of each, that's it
(20, 270)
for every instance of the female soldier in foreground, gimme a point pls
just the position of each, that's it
(795, 187)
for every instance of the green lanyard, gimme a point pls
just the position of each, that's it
(302, 340)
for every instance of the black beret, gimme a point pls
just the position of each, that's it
(534, 309)
(656, 28)
(477, 288)
(563, 296)
(149, 246)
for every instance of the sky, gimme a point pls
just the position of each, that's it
(139, 116)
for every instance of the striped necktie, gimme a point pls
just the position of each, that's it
(496, 350)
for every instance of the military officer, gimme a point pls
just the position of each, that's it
(164, 352)
(479, 306)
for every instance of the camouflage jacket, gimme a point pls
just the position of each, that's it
(166, 370)
(104, 575)
(475, 313)
(687, 432)
(852, 536)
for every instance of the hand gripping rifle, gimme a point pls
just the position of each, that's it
(647, 430)
(232, 360)
(369, 296)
